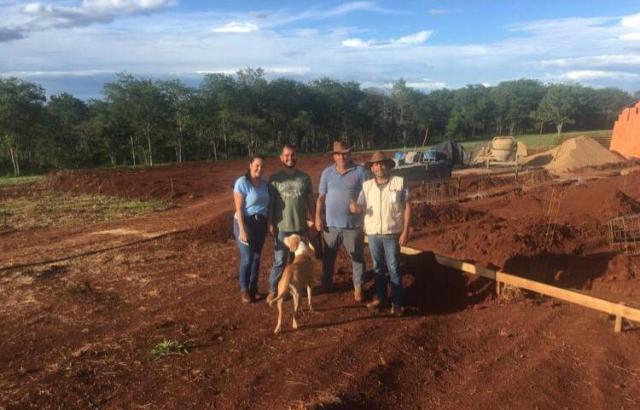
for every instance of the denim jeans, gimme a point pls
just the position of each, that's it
(256, 228)
(280, 258)
(353, 240)
(386, 248)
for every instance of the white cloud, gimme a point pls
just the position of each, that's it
(632, 21)
(34, 17)
(586, 75)
(53, 73)
(630, 36)
(416, 38)
(411, 39)
(594, 61)
(427, 85)
(356, 43)
(288, 70)
(237, 27)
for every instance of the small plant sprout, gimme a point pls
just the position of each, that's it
(170, 347)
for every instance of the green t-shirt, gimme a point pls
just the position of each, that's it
(289, 195)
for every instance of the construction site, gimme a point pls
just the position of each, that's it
(521, 282)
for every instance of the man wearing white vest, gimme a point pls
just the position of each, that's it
(385, 203)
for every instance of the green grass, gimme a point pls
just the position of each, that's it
(536, 141)
(8, 181)
(170, 347)
(48, 209)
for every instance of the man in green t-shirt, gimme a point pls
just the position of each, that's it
(291, 210)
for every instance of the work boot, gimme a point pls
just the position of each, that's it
(244, 296)
(270, 297)
(357, 295)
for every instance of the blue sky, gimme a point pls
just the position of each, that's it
(77, 45)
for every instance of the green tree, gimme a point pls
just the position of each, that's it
(179, 97)
(143, 107)
(21, 110)
(68, 145)
(514, 103)
(560, 105)
(472, 111)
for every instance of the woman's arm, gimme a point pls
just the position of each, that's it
(238, 200)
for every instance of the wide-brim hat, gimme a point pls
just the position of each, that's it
(340, 147)
(379, 156)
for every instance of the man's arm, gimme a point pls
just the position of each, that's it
(319, 206)
(357, 207)
(320, 202)
(406, 219)
(273, 230)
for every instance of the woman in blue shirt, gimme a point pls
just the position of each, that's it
(251, 198)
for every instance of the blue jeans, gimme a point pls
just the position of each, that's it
(280, 258)
(386, 248)
(256, 228)
(353, 240)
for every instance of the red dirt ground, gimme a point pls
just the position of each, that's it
(82, 308)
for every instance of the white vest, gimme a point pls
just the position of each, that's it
(385, 207)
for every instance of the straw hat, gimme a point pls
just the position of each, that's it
(340, 148)
(379, 156)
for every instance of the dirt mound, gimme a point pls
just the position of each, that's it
(580, 152)
(623, 267)
(218, 229)
(181, 183)
(426, 215)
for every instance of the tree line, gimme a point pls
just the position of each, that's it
(142, 121)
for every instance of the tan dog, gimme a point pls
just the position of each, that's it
(295, 277)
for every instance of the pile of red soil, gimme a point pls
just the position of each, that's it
(426, 215)
(180, 183)
(218, 229)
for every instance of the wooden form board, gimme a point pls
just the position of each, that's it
(619, 310)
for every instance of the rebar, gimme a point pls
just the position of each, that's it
(624, 234)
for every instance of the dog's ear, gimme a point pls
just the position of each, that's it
(286, 241)
(294, 241)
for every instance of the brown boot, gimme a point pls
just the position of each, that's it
(357, 295)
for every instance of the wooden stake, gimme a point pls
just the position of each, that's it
(618, 326)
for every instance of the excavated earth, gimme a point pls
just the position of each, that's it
(82, 307)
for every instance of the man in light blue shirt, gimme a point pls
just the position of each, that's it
(339, 184)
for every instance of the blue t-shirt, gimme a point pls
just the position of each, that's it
(338, 190)
(256, 199)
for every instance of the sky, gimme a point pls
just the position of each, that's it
(76, 46)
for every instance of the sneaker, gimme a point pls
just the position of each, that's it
(270, 297)
(357, 295)
(397, 310)
(244, 296)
